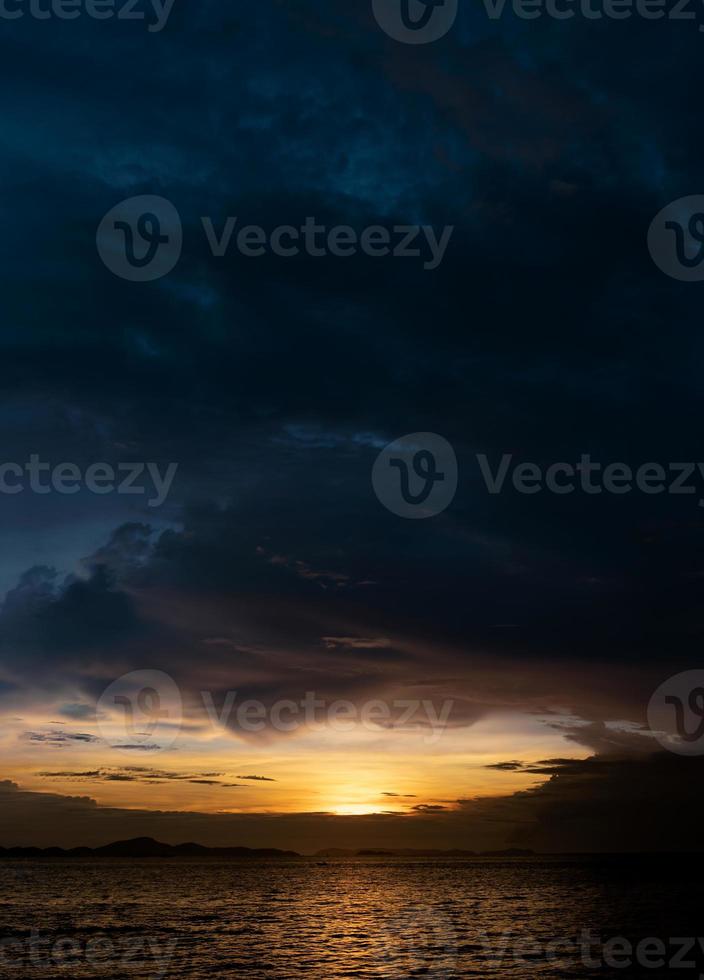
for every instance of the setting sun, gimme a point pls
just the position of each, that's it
(353, 809)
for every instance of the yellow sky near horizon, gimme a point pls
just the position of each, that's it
(350, 772)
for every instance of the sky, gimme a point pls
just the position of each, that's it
(529, 630)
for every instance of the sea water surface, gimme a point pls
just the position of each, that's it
(351, 918)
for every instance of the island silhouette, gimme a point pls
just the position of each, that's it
(147, 847)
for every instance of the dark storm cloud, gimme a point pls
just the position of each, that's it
(546, 332)
(203, 604)
(43, 619)
(607, 740)
(646, 803)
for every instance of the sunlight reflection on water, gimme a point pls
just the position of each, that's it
(372, 920)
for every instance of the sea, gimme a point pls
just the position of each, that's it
(364, 918)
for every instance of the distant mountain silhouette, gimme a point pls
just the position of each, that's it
(146, 847)
(413, 852)
(420, 852)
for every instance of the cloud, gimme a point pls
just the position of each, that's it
(60, 738)
(606, 739)
(47, 618)
(89, 774)
(78, 712)
(135, 774)
(138, 747)
(632, 803)
(356, 642)
(168, 585)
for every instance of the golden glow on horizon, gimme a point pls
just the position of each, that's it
(346, 773)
